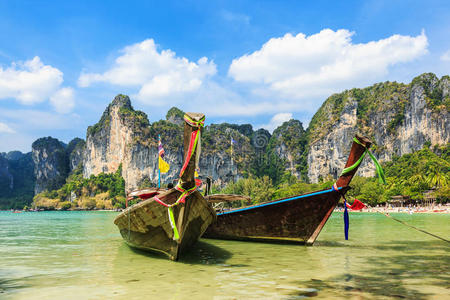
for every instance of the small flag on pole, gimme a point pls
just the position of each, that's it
(357, 205)
(160, 148)
(162, 164)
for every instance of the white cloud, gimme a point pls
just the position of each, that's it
(156, 74)
(235, 17)
(277, 120)
(29, 82)
(32, 120)
(298, 67)
(63, 100)
(446, 56)
(4, 128)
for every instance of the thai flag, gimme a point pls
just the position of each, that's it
(160, 149)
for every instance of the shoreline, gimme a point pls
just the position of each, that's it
(59, 210)
(405, 210)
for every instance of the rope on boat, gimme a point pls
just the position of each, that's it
(128, 224)
(418, 229)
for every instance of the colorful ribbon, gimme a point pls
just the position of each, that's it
(181, 199)
(194, 140)
(194, 123)
(192, 145)
(379, 169)
(176, 236)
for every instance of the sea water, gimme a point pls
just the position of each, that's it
(81, 255)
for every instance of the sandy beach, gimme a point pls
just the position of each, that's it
(443, 209)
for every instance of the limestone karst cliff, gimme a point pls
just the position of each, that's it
(125, 136)
(6, 178)
(75, 151)
(17, 179)
(54, 160)
(51, 164)
(399, 118)
(289, 143)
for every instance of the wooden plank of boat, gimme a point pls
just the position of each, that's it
(297, 219)
(146, 225)
(146, 193)
(218, 198)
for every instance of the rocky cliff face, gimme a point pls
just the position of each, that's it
(75, 152)
(16, 179)
(6, 178)
(54, 160)
(51, 164)
(124, 136)
(226, 152)
(175, 116)
(289, 143)
(399, 119)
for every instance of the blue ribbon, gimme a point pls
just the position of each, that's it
(346, 220)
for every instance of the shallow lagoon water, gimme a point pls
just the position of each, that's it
(81, 255)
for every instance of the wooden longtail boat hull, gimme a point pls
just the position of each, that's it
(298, 218)
(294, 219)
(147, 225)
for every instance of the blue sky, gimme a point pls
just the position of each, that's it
(258, 62)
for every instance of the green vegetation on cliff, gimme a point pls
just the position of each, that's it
(389, 98)
(171, 135)
(21, 169)
(292, 135)
(124, 104)
(258, 156)
(175, 112)
(50, 154)
(433, 88)
(136, 119)
(217, 138)
(74, 144)
(104, 191)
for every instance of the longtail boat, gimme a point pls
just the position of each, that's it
(296, 219)
(171, 221)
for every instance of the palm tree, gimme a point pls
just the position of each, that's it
(436, 178)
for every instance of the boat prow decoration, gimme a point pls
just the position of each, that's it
(171, 221)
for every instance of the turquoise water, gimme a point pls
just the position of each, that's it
(80, 255)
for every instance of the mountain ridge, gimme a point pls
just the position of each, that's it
(400, 118)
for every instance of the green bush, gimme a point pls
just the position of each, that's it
(258, 189)
(91, 203)
(66, 205)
